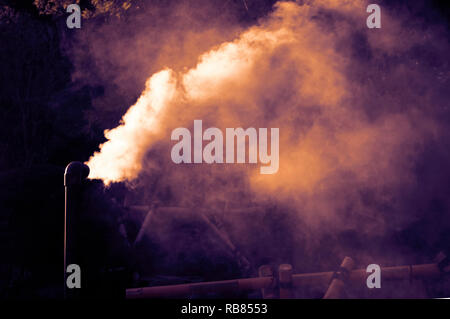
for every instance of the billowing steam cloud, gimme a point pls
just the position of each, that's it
(121, 157)
(350, 114)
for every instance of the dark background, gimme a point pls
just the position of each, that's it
(45, 124)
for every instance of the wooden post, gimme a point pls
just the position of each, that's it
(285, 281)
(267, 271)
(339, 280)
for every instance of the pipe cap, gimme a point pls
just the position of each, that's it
(75, 173)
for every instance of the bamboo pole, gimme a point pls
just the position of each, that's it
(423, 271)
(196, 288)
(199, 214)
(243, 261)
(267, 271)
(340, 278)
(285, 281)
(143, 229)
(190, 212)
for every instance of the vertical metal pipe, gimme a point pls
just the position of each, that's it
(65, 238)
(74, 175)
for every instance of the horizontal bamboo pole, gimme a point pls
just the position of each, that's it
(298, 280)
(200, 288)
(172, 211)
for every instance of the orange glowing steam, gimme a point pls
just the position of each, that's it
(293, 72)
(120, 158)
